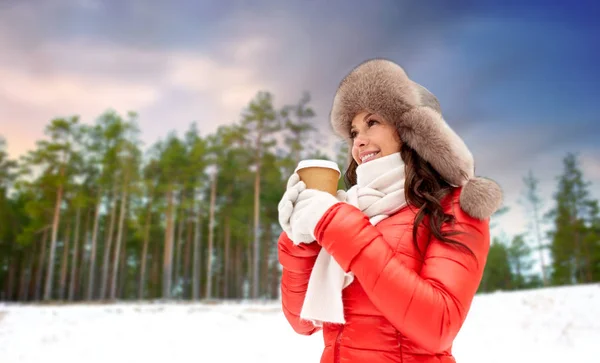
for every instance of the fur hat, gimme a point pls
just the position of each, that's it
(383, 87)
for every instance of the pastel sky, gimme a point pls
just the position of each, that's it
(518, 80)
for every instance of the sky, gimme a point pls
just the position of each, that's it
(518, 80)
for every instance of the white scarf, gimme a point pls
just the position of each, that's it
(379, 193)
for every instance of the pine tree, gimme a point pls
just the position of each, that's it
(519, 256)
(571, 251)
(260, 121)
(298, 131)
(497, 274)
(128, 160)
(9, 229)
(533, 202)
(173, 161)
(59, 159)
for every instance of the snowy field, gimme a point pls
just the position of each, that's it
(551, 325)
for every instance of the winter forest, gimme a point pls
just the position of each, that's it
(92, 215)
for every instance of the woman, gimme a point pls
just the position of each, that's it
(388, 271)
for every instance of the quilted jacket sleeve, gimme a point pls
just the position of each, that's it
(297, 262)
(428, 307)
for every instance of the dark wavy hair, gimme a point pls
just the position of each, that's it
(424, 189)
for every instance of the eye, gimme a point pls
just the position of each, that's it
(352, 134)
(372, 122)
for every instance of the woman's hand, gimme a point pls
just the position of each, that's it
(286, 204)
(310, 206)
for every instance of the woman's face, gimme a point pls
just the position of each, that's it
(373, 137)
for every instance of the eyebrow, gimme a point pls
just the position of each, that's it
(364, 120)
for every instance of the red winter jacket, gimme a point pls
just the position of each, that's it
(400, 307)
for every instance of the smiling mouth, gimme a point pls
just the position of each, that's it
(368, 157)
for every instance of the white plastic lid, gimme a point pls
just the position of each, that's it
(318, 163)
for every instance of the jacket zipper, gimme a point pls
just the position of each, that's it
(338, 340)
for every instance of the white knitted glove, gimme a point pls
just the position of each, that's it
(310, 206)
(286, 204)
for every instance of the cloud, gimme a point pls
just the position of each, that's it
(87, 76)
(232, 85)
(64, 91)
(590, 161)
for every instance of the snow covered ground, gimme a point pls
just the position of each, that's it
(549, 325)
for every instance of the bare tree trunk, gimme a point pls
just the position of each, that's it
(55, 222)
(65, 262)
(218, 274)
(264, 268)
(26, 265)
(211, 225)
(122, 282)
(21, 273)
(249, 267)
(168, 254)
(11, 280)
(155, 273)
(577, 244)
(75, 250)
(187, 257)
(144, 256)
(82, 266)
(234, 270)
(269, 261)
(255, 271)
(197, 271)
(275, 273)
(226, 264)
(237, 268)
(92, 271)
(113, 285)
(539, 243)
(40, 269)
(30, 284)
(178, 253)
(108, 244)
(588, 263)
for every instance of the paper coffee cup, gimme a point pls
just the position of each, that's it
(319, 174)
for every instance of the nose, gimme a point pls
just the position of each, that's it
(360, 141)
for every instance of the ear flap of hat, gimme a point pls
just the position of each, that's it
(480, 197)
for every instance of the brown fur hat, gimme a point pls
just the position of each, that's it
(383, 87)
